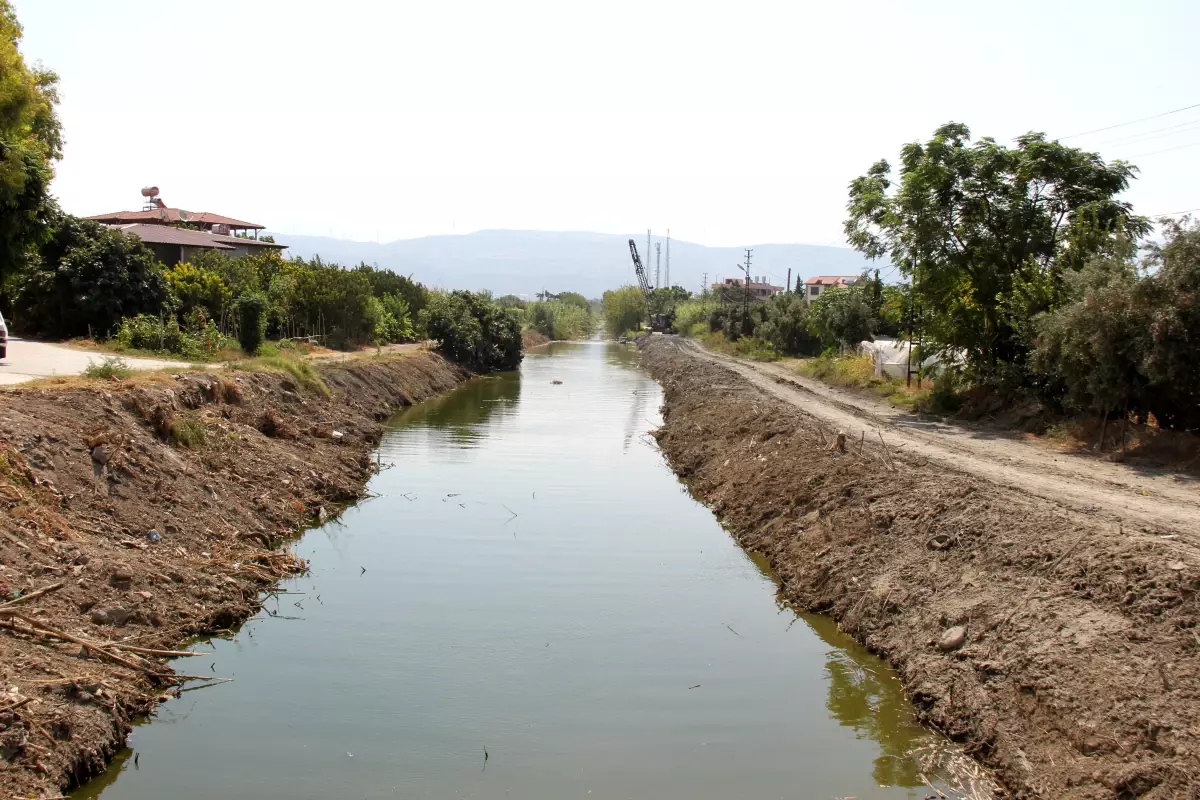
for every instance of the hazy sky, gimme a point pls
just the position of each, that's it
(729, 123)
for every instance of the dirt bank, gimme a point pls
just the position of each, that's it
(1060, 647)
(150, 511)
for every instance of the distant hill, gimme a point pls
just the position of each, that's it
(525, 262)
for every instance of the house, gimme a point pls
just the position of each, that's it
(175, 235)
(814, 286)
(760, 288)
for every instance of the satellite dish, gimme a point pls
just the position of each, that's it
(184, 216)
(149, 191)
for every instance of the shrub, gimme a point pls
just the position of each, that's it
(690, 314)
(473, 330)
(109, 369)
(187, 431)
(252, 321)
(556, 319)
(145, 332)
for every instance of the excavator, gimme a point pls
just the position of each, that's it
(659, 323)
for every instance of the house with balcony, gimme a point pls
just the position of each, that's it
(175, 235)
(820, 283)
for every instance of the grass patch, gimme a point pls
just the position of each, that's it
(746, 347)
(113, 368)
(858, 372)
(300, 371)
(187, 431)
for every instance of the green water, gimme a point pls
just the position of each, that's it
(538, 584)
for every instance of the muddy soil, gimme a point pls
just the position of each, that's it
(139, 514)
(1060, 646)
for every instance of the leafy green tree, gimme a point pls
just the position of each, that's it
(473, 330)
(30, 143)
(252, 321)
(786, 327)
(511, 301)
(664, 299)
(1092, 348)
(559, 320)
(1171, 294)
(987, 233)
(86, 279)
(575, 299)
(623, 310)
(841, 316)
(195, 287)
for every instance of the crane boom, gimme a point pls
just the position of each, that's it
(643, 281)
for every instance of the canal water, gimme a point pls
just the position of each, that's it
(532, 607)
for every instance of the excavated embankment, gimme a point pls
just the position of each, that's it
(137, 514)
(1060, 649)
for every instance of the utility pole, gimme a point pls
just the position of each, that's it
(657, 264)
(746, 295)
(704, 287)
(668, 275)
(789, 281)
(648, 255)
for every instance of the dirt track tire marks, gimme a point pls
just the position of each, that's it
(1159, 501)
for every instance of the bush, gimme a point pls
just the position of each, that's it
(145, 332)
(473, 330)
(690, 314)
(556, 319)
(109, 369)
(623, 309)
(252, 321)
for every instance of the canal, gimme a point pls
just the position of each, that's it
(532, 583)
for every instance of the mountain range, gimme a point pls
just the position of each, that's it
(526, 262)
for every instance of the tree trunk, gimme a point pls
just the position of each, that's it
(1103, 431)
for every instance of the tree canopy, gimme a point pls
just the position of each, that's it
(30, 143)
(987, 232)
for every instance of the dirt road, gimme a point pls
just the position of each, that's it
(28, 361)
(1156, 500)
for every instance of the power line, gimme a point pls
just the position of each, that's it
(1131, 122)
(1173, 213)
(1147, 134)
(1168, 150)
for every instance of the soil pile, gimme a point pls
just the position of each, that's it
(138, 514)
(1061, 649)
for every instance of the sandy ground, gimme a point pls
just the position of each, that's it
(1158, 499)
(1040, 610)
(28, 361)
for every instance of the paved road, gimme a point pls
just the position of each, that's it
(1156, 498)
(27, 361)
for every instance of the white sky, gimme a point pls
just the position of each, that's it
(730, 123)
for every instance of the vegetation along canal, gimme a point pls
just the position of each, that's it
(532, 582)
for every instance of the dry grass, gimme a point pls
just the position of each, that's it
(858, 372)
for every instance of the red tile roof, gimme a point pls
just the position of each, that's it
(173, 216)
(831, 280)
(165, 234)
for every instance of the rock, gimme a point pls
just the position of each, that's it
(111, 615)
(120, 580)
(952, 639)
(100, 454)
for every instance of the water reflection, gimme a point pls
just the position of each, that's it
(865, 695)
(461, 418)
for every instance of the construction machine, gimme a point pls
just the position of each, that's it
(659, 323)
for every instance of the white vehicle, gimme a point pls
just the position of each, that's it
(3, 339)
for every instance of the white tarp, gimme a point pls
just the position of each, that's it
(891, 358)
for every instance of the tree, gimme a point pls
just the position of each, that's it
(30, 143)
(664, 299)
(194, 287)
(786, 327)
(1092, 348)
(987, 233)
(1171, 293)
(473, 330)
(623, 310)
(86, 279)
(575, 299)
(841, 316)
